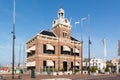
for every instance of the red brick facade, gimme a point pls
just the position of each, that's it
(63, 38)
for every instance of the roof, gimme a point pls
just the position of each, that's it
(74, 39)
(48, 33)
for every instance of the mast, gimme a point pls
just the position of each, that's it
(13, 44)
(89, 42)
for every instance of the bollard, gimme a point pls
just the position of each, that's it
(32, 73)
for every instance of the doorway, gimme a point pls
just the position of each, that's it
(65, 65)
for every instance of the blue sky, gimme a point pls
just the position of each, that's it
(32, 16)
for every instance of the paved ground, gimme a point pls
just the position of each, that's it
(62, 77)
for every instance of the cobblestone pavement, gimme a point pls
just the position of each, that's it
(62, 77)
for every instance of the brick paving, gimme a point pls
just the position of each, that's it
(62, 77)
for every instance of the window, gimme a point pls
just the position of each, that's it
(44, 48)
(77, 54)
(65, 34)
(71, 65)
(54, 50)
(72, 53)
(33, 53)
(48, 51)
(61, 49)
(28, 55)
(64, 52)
(61, 14)
(54, 63)
(44, 64)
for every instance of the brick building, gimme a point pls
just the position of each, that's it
(55, 48)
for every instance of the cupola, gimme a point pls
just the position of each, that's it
(60, 13)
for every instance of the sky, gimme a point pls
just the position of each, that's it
(32, 16)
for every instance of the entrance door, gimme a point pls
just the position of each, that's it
(65, 65)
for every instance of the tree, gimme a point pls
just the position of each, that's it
(107, 69)
(109, 64)
(93, 69)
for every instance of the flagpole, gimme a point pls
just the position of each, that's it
(89, 42)
(105, 49)
(82, 19)
(13, 44)
(74, 49)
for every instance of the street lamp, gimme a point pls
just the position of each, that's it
(13, 45)
(74, 50)
(82, 19)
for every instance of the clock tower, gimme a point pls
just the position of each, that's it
(61, 26)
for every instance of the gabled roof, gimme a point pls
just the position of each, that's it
(74, 39)
(48, 33)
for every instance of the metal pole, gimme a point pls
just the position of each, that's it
(89, 42)
(19, 56)
(74, 56)
(81, 47)
(23, 56)
(82, 19)
(13, 32)
(89, 53)
(74, 49)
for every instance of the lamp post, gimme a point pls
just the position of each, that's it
(82, 19)
(74, 50)
(89, 42)
(13, 44)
